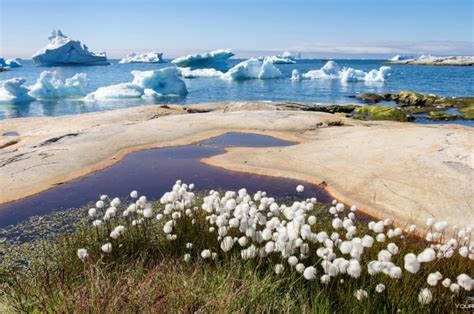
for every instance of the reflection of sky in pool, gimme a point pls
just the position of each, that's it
(153, 172)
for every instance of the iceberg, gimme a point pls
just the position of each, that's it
(433, 60)
(331, 70)
(149, 57)
(49, 86)
(289, 55)
(145, 84)
(279, 60)
(216, 59)
(12, 91)
(61, 50)
(400, 58)
(295, 75)
(165, 81)
(10, 63)
(118, 91)
(188, 73)
(253, 69)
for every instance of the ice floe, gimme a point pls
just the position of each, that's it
(253, 69)
(216, 59)
(13, 91)
(290, 55)
(10, 63)
(188, 73)
(149, 57)
(50, 86)
(331, 70)
(61, 50)
(433, 60)
(145, 84)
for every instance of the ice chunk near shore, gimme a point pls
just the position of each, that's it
(165, 81)
(118, 91)
(253, 69)
(146, 84)
(10, 63)
(188, 73)
(61, 50)
(331, 70)
(295, 75)
(13, 91)
(50, 86)
(216, 59)
(149, 57)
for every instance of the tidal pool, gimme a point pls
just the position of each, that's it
(153, 172)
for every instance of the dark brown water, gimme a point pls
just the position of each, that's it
(153, 172)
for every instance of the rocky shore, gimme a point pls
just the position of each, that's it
(405, 171)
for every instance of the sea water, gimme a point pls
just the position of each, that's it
(438, 80)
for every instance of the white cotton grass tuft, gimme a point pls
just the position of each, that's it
(278, 269)
(361, 294)
(425, 296)
(300, 188)
(82, 254)
(107, 247)
(134, 194)
(206, 254)
(309, 273)
(380, 288)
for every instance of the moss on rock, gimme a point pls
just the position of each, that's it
(381, 113)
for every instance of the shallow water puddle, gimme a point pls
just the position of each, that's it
(152, 172)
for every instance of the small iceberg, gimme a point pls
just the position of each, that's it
(145, 84)
(291, 56)
(10, 63)
(61, 50)
(331, 70)
(216, 59)
(13, 91)
(279, 60)
(188, 73)
(49, 86)
(400, 58)
(253, 69)
(149, 57)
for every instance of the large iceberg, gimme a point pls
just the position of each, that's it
(145, 84)
(149, 57)
(12, 91)
(49, 86)
(253, 69)
(10, 63)
(331, 70)
(216, 59)
(61, 50)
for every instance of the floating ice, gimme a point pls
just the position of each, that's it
(216, 59)
(279, 60)
(289, 55)
(331, 70)
(146, 84)
(61, 50)
(149, 57)
(400, 58)
(188, 73)
(49, 86)
(12, 91)
(10, 63)
(165, 81)
(118, 91)
(253, 69)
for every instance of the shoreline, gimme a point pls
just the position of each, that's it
(297, 126)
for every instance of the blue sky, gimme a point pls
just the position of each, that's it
(325, 28)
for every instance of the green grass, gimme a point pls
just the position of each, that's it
(145, 272)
